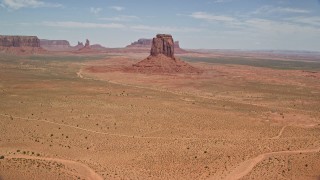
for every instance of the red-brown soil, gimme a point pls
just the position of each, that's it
(59, 120)
(22, 50)
(162, 64)
(152, 65)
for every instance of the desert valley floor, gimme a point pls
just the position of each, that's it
(69, 116)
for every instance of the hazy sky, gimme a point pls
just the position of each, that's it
(216, 24)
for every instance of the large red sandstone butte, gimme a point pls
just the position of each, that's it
(162, 59)
(162, 44)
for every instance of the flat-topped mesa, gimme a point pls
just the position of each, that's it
(162, 44)
(19, 41)
(142, 42)
(54, 43)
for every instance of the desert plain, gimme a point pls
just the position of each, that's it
(83, 116)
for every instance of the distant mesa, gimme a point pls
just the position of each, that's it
(147, 43)
(59, 45)
(162, 59)
(98, 47)
(19, 41)
(20, 44)
(64, 45)
(54, 45)
(141, 43)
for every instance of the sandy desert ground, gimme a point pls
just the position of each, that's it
(68, 116)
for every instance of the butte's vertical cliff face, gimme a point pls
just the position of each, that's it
(19, 41)
(162, 44)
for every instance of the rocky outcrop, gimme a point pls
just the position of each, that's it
(19, 41)
(162, 44)
(20, 45)
(162, 59)
(79, 46)
(86, 47)
(87, 43)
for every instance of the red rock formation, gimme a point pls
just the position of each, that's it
(163, 64)
(20, 45)
(86, 48)
(162, 44)
(162, 59)
(87, 43)
(19, 41)
(79, 46)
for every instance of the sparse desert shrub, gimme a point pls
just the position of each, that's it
(1, 157)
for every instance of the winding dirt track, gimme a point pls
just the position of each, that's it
(159, 89)
(280, 133)
(129, 136)
(102, 133)
(82, 170)
(240, 171)
(246, 167)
